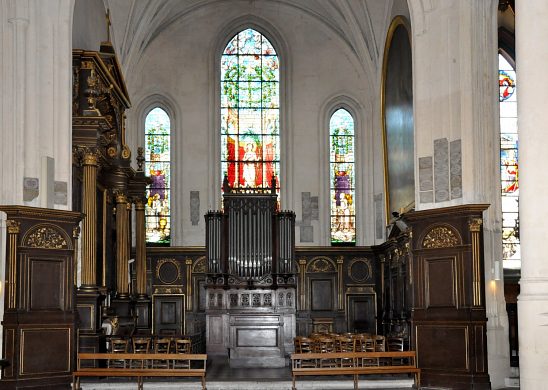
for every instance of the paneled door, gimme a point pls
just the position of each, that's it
(168, 314)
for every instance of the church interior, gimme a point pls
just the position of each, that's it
(247, 181)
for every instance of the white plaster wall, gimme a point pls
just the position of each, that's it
(90, 25)
(179, 64)
(455, 97)
(35, 100)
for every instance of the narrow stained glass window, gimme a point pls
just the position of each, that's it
(342, 175)
(250, 112)
(158, 167)
(509, 165)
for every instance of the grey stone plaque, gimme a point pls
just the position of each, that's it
(306, 207)
(426, 196)
(194, 207)
(60, 192)
(441, 170)
(31, 186)
(314, 208)
(455, 161)
(426, 174)
(307, 233)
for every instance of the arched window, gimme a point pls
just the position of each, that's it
(509, 165)
(342, 177)
(250, 112)
(158, 167)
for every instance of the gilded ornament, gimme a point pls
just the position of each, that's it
(360, 270)
(440, 237)
(46, 237)
(475, 224)
(14, 227)
(171, 271)
(200, 267)
(126, 153)
(321, 265)
(111, 152)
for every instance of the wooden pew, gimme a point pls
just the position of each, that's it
(185, 368)
(361, 363)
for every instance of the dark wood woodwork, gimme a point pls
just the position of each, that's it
(434, 293)
(355, 364)
(188, 365)
(39, 318)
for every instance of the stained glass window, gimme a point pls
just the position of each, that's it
(157, 166)
(509, 165)
(250, 112)
(342, 176)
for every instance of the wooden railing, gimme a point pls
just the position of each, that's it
(142, 365)
(354, 363)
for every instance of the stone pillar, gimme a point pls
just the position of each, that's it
(122, 250)
(532, 55)
(89, 225)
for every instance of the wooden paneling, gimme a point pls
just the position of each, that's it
(321, 294)
(36, 351)
(39, 315)
(441, 282)
(168, 314)
(443, 347)
(47, 283)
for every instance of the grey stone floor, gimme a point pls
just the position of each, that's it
(221, 377)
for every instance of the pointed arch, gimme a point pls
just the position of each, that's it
(157, 126)
(278, 43)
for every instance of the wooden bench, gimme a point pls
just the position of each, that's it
(179, 365)
(354, 363)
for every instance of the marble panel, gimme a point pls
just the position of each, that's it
(441, 170)
(455, 161)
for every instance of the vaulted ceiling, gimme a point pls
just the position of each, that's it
(360, 23)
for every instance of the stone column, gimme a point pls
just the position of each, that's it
(532, 55)
(140, 249)
(89, 225)
(122, 250)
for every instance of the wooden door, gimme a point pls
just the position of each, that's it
(168, 314)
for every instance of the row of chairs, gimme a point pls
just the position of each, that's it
(163, 345)
(325, 343)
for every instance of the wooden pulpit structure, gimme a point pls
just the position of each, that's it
(251, 284)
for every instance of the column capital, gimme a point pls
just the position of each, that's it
(139, 203)
(14, 227)
(475, 224)
(120, 197)
(76, 232)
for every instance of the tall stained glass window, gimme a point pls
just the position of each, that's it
(157, 166)
(509, 165)
(342, 177)
(250, 112)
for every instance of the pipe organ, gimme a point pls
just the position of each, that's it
(250, 248)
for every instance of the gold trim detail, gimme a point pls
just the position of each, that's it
(321, 264)
(47, 237)
(14, 227)
(440, 237)
(351, 274)
(188, 263)
(159, 265)
(200, 265)
(475, 228)
(396, 22)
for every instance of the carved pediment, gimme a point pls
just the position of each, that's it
(443, 236)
